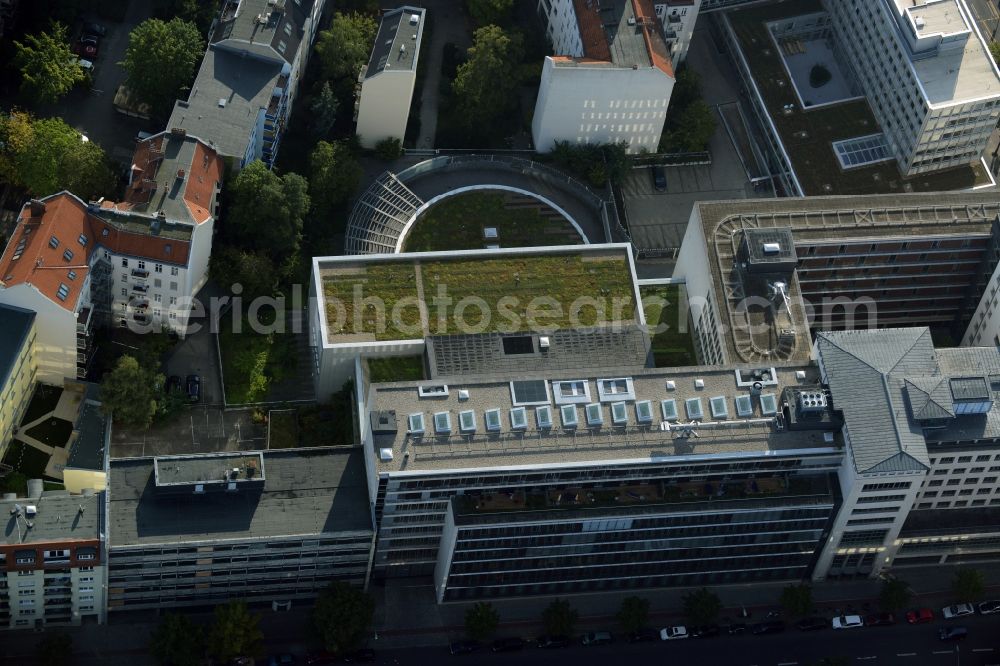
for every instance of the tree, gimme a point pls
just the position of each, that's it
(484, 12)
(253, 271)
(267, 210)
(54, 650)
(995, 51)
(797, 600)
(633, 614)
(343, 49)
(199, 12)
(323, 111)
(895, 595)
(695, 127)
(176, 641)
(481, 621)
(48, 67)
(559, 618)
(343, 616)
(234, 632)
(485, 86)
(161, 60)
(702, 606)
(129, 392)
(47, 156)
(389, 149)
(334, 174)
(967, 584)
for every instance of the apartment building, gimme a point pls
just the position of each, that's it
(928, 75)
(135, 263)
(610, 77)
(382, 108)
(761, 274)
(264, 527)
(18, 367)
(678, 19)
(53, 559)
(246, 85)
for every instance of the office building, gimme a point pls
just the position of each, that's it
(263, 527)
(610, 77)
(246, 85)
(761, 274)
(18, 367)
(382, 108)
(53, 559)
(928, 75)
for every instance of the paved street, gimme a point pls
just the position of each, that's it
(988, 16)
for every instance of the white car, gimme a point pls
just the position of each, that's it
(848, 622)
(957, 610)
(673, 633)
(85, 65)
(989, 607)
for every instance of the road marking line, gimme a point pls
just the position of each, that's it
(942, 652)
(906, 654)
(866, 658)
(788, 663)
(982, 649)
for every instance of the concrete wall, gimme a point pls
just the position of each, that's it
(385, 106)
(600, 104)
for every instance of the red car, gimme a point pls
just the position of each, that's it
(87, 47)
(880, 620)
(920, 616)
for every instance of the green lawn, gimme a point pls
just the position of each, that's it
(283, 430)
(560, 279)
(251, 361)
(457, 223)
(396, 369)
(26, 459)
(52, 431)
(808, 135)
(667, 307)
(42, 402)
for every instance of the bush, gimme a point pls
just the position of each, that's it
(819, 76)
(389, 149)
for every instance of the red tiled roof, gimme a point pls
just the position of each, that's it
(203, 172)
(588, 20)
(206, 170)
(64, 217)
(595, 41)
(652, 34)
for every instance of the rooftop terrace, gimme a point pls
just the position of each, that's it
(808, 135)
(566, 418)
(378, 297)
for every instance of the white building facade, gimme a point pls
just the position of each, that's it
(678, 18)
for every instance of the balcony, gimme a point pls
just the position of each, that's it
(139, 304)
(140, 288)
(140, 273)
(141, 318)
(83, 319)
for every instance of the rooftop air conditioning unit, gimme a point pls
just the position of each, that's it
(812, 401)
(544, 342)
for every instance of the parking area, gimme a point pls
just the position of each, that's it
(202, 429)
(90, 110)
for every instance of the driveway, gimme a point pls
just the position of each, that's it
(91, 111)
(201, 429)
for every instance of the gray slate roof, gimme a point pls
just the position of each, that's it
(866, 372)
(312, 491)
(395, 31)
(16, 325)
(929, 398)
(243, 31)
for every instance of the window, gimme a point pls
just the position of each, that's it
(124, 263)
(82, 240)
(173, 286)
(86, 556)
(965, 459)
(610, 390)
(68, 255)
(529, 392)
(694, 409)
(158, 268)
(63, 292)
(569, 416)
(124, 293)
(142, 265)
(26, 603)
(157, 298)
(881, 498)
(173, 300)
(53, 242)
(568, 392)
(71, 275)
(56, 554)
(173, 270)
(518, 344)
(900, 485)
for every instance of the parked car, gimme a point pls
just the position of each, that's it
(811, 624)
(321, 658)
(880, 620)
(361, 656)
(86, 65)
(736, 628)
(597, 638)
(989, 607)
(508, 644)
(644, 635)
(920, 616)
(674, 633)
(465, 647)
(281, 660)
(90, 28)
(770, 627)
(546, 642)
(193, 388)
(957, 610)
(847, 622)
(953, 633)
(87, 47)
(705, 631)
(659, 178)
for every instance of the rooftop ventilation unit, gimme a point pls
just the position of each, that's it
(414, 19)
(30, 510)
(699, 383)
(919, 22)
(544, 342)
(671, 385)
(463, 395)
(772, 248)
(812, 401)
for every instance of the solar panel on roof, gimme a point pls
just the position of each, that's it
(529, 391)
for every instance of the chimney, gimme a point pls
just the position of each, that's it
(180, 174)
(37, 208)
(35, 487)
(178, 131)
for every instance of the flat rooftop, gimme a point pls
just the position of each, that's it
(58, 518)
(88, 450)
(318, 491)
(218, 468)
(398, 40)
(17, 323)
(808, 136)
(625, 33)
(625, 432)
(379, 297)
(830, 218)
(951, 75)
